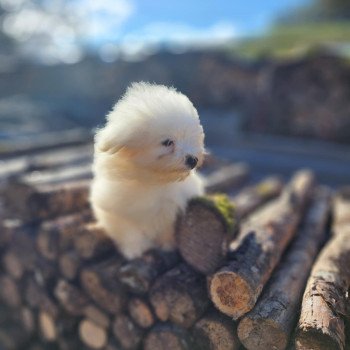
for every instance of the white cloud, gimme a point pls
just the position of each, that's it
(53, 31)
(178, 36)
(181, 33)
(100, 19)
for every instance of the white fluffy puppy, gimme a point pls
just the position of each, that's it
(144, 164)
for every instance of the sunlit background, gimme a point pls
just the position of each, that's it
(270, 79)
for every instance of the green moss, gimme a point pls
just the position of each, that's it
(222, 206)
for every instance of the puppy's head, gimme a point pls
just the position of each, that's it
(153, 131)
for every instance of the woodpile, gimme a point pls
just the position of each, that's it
(238, 277)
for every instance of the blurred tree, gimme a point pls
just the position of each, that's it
(318, 10)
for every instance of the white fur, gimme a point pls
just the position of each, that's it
(139, 184)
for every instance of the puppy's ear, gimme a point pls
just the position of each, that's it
(108, 141)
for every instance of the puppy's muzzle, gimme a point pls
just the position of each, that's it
(191, 161)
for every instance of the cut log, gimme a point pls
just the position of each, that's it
(270, 323)
(46, 141)
(69, 264)
(204, 231)
(126, 332)
(37, 297)
(57, 159)
(140, 312)
(100, 283)
(138, 274)
(47, 327)
(210, 223)
(12, 265)
(9, 228)
(251, 197)
(92, 334)
(321, 323)
(13, 337)
(113, 345)
(21, 255)
(168, 336)
(9, 291)
(91, 242)
(97, 316)
(235, 288)
(71, 298)
(179, 296)
(57, 235)
(341, 211)
(227, 178)
(27, 320)
(215, 331)
(45, 196)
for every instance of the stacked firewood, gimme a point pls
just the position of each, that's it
(238, 277)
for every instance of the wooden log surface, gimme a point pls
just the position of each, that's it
(341, 211)
(270, 324)
(126, 332)
(69, 264)
(57, 236)
(324, 307)
(10, 292)
(179, 296)
(205, 230)
(141, 312)
(96, 315)
(72, 299)
(251, 197)
(100, 282)
(91, 242)
(46, 141)
(210, 223)
(215, 331)
(235, 288)
(48, 193)
(226, 178)
(137, 275)
(92, 334)
(45, 160)
(168, 336)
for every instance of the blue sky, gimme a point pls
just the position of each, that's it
(129, 26)
(248, 16)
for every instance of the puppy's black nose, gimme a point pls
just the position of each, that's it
(191, 161)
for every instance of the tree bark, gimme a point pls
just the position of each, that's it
(341, 211)
(321, 323)
(100, 282)
(251, 197)
(57, 235)
(126, 332)
(270, 324)
(45, 198)
(226, 178)
(210, 223)
(179, 296)
(69, 264)
(71, 298)
(205, 230)
(92, 242)
(168, 336)
(138, 275)
(235, 288)
(215, 331)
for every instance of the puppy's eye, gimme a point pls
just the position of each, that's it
(167, 143)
